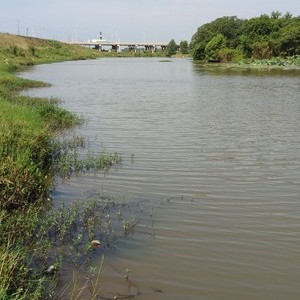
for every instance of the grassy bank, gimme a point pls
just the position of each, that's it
(18, 51)
(29, 156)
(22, 51)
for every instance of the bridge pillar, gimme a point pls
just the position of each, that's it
(132, 48)
(115, 48)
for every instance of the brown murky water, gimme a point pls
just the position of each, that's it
(214, 158)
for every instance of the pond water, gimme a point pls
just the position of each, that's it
(214, 157)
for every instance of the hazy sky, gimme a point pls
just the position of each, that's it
(127, 20)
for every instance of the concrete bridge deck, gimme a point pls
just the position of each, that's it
(116, 45)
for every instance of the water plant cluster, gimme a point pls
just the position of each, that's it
(69, 161)
(279, 62)
(83, 231)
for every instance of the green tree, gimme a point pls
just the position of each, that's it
(258, 28)
(230, 55)
(172, 48)
(290, 38)
(184, 47)
(230, 38)
(288, 15)
(261, 50)
(276, 14)
(229, 27)
(214, 46)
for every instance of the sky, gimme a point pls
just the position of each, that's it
(127, 20)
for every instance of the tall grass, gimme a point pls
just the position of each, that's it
(24, 155)
(27, 147)
(17, 249)
(27, 130)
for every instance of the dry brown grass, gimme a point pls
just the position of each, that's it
(22, 41)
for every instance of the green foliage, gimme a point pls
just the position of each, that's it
(28, 157)
(54, 44)
(278, 62)
(229, 27)
(172, 48)
(230, 55)
(260, 28)
(26, 131)
(68, 160)
(13, 83)
(18, 246)
(213, 47)
(36, 244)
(290, 38)
(275, 14)
(14, 50)
(261, 50)
(57, 118)
(184, 47)
(24, 155)
(258, 38)
(20, 50)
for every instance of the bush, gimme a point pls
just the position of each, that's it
(261, 50)
(213, 47)
(230, 55)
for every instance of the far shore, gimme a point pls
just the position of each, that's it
(247, 66)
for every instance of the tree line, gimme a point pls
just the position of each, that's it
(232, 39)
(173, 48)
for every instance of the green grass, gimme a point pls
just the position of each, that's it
(29, 156)
(27, 129)
(17, 250)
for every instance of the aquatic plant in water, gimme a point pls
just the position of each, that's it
(69, 161)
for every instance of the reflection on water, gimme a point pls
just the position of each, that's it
(214, 156)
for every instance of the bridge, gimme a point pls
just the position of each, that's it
(116, 46)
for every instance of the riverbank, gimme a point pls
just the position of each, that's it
(29, 158)
(276, 63)
(31, 268)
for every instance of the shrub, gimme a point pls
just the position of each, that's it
(230, 55)
(261, 50)
(213, 47)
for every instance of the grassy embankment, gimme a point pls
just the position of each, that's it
(27, 130)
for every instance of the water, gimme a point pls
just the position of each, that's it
(213, 154)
